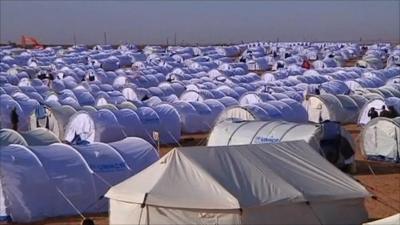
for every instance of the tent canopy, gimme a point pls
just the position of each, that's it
(381, 138)
(327, 138)
(247, 177)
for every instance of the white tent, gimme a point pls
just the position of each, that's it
(391, 220)
(59, 173)
(381, 139)
(99, 126)
(339, 108)
(329, 139)
(56, 119)
(249, 99)
(285, 183)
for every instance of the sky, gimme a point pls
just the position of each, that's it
(198, 22)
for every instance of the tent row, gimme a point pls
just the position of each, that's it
(66, 178)
(328, 139)
(340, 108)
(35, 137)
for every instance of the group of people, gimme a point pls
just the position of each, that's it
(388, 113)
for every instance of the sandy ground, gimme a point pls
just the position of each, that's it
(383, 183)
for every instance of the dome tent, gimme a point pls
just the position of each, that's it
(190, 118)
(243, 185)
(77, 172)
(340, 108)
(40, 136)
(381, 139)
(395, 102)
(150, 121)
(248, 112)
(8, 137)
(329, 139)
(204, 115)
(56, 119)
(101, 126)
(137, 153)
(249, 98)
(130, 123)
(170, 124)
(192, 95)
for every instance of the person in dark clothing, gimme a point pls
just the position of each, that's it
(280, 65)
(384, 112)
(50, 76)
(392, 112)
(145, 98)
(91, 77)
(306, 64)
(372, 113)
(87, 221)
(42, 75)
(14, 119)
(318, 90)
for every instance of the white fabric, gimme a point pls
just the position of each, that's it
(391, 220)
(99, 126)
(248, 177)
(381, 137)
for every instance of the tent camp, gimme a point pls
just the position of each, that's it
(381, 139)
(61, 175)
(329, 138)
(38, 136)
(239, 185)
